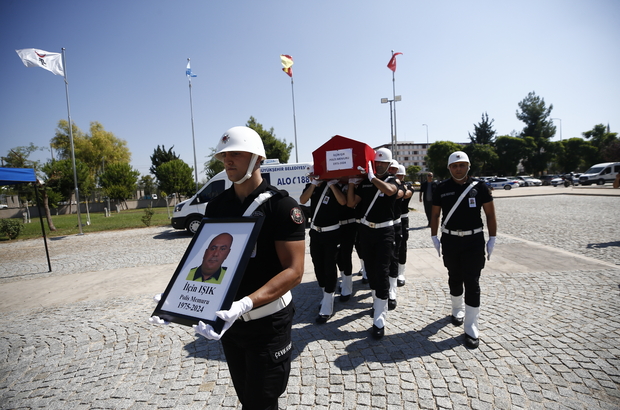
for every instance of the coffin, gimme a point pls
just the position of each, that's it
(340, 157)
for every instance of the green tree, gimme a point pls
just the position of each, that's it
(274, 148)
(437, 157)
(176, 177)
(18, 157)
(161, 156)
(483, 132)
(96, 150)
(59, 178)
(509, 152)
(602, 138)
(213, 166)
(119, 181)
(483, 158)
(413, 171)
(147, 184)
(575, 155)
(539, 126)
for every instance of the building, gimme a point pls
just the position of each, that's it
(409, 153)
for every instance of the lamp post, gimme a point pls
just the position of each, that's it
(392, 122)
(559, 119)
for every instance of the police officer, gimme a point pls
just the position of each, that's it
(426, 195)
(348, 237)
(256, 337)
(460, 199)
(398, 235)
(326, 200)
(373, 200)
(404, 224)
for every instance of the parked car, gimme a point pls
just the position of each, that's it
(529, 181)
(518, 180)
(502, 183)
(546, 179)
(3, 206)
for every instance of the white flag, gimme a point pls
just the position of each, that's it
(38, 58)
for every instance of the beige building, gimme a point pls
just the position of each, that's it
(409, 153)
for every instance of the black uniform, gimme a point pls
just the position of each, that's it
(325, 236)
(398, 231)
(404, 225)
(376, 234)
(428, 191)
(348, 234)
(258, 352)
(463, 252)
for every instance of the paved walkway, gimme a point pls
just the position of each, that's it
(78, 337)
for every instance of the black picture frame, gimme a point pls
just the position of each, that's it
(187, 301)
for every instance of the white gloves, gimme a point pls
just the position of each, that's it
(371, 174)
(437, 244)
(237, 309)
(332, 182)
(315, 182)
(490, 246)
(156, 320)
(355, 180)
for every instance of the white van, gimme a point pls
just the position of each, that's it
(288, 177)
(600, 173)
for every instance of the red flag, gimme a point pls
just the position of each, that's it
(287, 62)
(392, 64)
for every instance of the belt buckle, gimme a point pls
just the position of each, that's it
(459, 233)
(372, 225)
(318, 229)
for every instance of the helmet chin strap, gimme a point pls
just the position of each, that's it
(248, 173)
(459, 179)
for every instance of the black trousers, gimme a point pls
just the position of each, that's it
(348, 235)
(464, 258)
(398, 238)
(377, 247)
(402, 253)
(324, 251)
(428, 210)
(258, 354)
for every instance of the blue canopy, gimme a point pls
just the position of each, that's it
(10, 176)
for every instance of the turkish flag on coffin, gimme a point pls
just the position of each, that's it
(340, 157)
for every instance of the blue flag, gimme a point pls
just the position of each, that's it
(188, 71)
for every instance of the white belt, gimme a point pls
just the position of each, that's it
(396, 221)
(376, 225)
(461, 233)
(325, 228)
(347, 221)
(268, 309)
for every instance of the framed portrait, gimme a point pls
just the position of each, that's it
(208, 276)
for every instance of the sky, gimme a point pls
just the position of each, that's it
(126, 60)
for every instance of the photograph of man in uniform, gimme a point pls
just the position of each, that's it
(211, 270)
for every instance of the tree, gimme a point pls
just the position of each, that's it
(413, 171)
(274, 148)
(147, 183)
(161, 156)
(483, 132)
(59, 178)
(510, 151)
(602, 138)
(576, 154)
(18, 157)
(96, 150)
(538, 125)
(176, 177)
(483, 158)
(119, 181)
(437, 157)
(213, 166)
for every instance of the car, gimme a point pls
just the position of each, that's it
(502, 183)
(529, 181)
(518, 180)
(546, 179)
(3, 206)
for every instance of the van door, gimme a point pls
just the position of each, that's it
(211, 191)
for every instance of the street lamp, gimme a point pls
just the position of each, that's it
(392, 121)
(560, 126)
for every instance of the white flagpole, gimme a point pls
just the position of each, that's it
(394, 140)
(191, 109)
(77, 192)
(294, 120)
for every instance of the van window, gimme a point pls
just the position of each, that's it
(594, 170)
(616, 168)
(266, 176)
(607, 170)
(211, 191)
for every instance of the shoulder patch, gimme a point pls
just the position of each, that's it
(297, 215)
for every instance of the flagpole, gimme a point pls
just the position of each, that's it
(294, 120)
(394, 138)
(191, 108)
(75, 181)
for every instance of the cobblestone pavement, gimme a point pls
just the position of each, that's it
(549, 327)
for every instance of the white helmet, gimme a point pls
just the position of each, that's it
(242, 139)
(401, 170)
(394, 164)
(458, 156)
(383, 155)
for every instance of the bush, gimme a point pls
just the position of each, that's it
(11, 227)
(148, 214)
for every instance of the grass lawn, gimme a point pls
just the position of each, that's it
(68, 224)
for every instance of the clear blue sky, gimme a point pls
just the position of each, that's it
(126, 68)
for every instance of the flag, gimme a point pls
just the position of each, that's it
(392, 64)
(287, 62)
(188, 71)
(38, 58)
